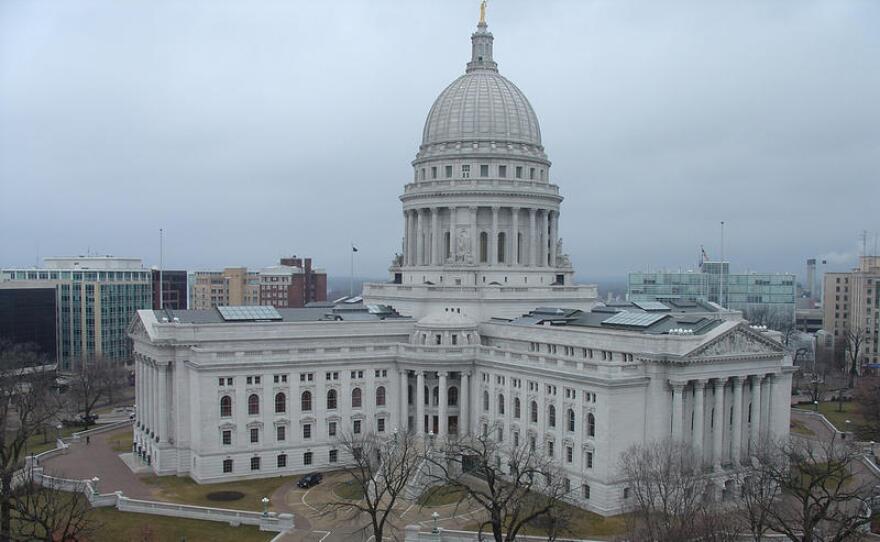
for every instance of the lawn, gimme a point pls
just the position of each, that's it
(582, 524)
(121, 442)
(185, 491)
(838, 418)
(40, 443)
(441, 496)
(801, 429)
(350, 490)
(118, 526)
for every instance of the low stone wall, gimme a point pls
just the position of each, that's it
(269, 521)
(413, 534)
(79, 435)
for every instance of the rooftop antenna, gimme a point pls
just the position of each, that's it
(351, 276)
(161, 262)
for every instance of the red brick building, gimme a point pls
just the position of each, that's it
(293, 283)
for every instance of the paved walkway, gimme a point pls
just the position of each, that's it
(85, 461)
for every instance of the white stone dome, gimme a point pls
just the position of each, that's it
(482, 105)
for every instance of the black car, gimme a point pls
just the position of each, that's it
(310, 480)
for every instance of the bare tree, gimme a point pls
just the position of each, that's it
(27, 404)
(516, 486)
(89, 385)
(52, 515)
(855, 339)
(671, 495)
(818, 495)
(380, 468)
(867, 398)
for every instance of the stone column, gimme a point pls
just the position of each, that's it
(770, 385)
(554, 221)
(533, 243)
(736, 439)
(404, 404)
(420, 237)
(699, 404)
(718, 424)
(435, 236)
(513, 258)
(755, 428)
(138, 394)
(406, 237)
(420, 403)
(544, 237)
(475, 237)
(493, 241)
(441, 406)
(453, 215)
(162, 396)
(464, 409)
(677, 409)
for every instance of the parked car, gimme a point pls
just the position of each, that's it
(310, 480)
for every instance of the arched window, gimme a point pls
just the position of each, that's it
(331, 399)
(306, 401)
(356, 398)
(435, 396)
(551, 416)
(225, 406)
(452, 396)
(591, 425)
(516, 407)
(500, 403)
(484, 247)
(486, 401)
(280, 403)
(534, 412)
(502, 246)
(571, 420)
(380, 396)
(253, 404)
(750, 413)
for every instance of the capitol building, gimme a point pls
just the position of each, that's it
(481, 328)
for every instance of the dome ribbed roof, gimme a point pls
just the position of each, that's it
(482, 105)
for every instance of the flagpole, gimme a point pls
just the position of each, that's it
(161, 265)
(351, 274)
(721, 288)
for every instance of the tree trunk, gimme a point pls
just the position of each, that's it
(6, 515)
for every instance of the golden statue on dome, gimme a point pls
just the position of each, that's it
(483, 12)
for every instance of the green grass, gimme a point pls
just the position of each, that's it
(350, 490)
(185, 491)
(39, 443)
(121, 442)
(118, 526)
(801, 429)
(441, 496)
(838, 419)
(581, 524)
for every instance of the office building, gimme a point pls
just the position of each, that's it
(852, 306)
(173, 287)
(29, 315)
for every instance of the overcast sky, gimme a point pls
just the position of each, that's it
(253, 129)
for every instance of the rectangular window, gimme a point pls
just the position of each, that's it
(589, 460)
(434, 172)
(331, 429)
(484, 170)
(448, 172)
(334, 456)
(569, 454)
(532, 173)
(227, 465)
(281, 433)
(465, 171)
(255, 435)
(550, 445)
(502, 171)
(519, 172)
(357, 427)
(255, 463)
(282, 461)
(380, 425)
(307, 431)
(307, 458)
(227, 437)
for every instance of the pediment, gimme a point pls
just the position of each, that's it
(738, 341)
(136, 329)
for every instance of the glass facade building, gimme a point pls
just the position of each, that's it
(764, 298)
(96, 300)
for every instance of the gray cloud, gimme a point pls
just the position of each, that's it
(253, 129)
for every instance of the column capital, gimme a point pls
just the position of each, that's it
(532, 211)
(678, 385)
(442, 374)
(757, 378)
(516, 208)
(495, 208)
(737, 381)
(700, 383)
(720, 381)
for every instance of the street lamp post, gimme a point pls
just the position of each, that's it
(435, 516)
(816, 406)
(265, 502)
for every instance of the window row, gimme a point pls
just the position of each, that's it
(253, 401)
(280, 461)
(226, 435)
(533, 413)
(432, 396)
(502, 171)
